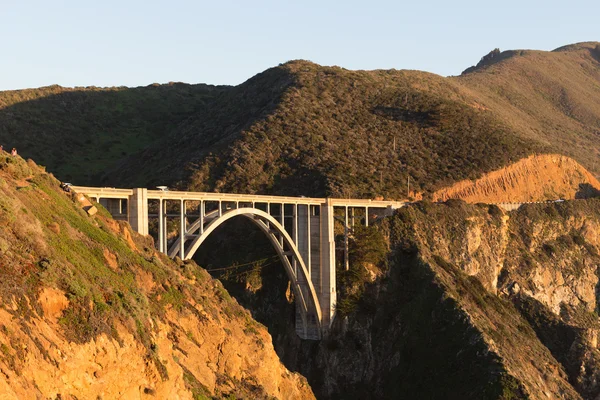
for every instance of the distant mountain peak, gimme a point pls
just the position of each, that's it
(491, 58)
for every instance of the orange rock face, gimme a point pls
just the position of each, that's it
(43, 363)
(53, 302)
(89, 310)
(536, 178)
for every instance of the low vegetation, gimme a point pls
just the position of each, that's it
(81, 132)
(113, 282)
(303, 129)
(368, 251)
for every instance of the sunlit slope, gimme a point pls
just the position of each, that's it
(550, 97)
(90, 310)
(301, 128)
(536, 178)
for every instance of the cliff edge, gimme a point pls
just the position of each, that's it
(90, 310)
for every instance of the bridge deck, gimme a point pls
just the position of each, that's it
(301, 229)
(114, 193)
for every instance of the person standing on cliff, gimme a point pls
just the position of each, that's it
(13, 152)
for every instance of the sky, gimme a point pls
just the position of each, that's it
(137, 43)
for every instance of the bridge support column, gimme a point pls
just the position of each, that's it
(307, 239)
(296, 237)
(202, 212)
(303, 242)
(161, 227)
(138, 211)
(327, 292)
(182, 229)
(346, 232)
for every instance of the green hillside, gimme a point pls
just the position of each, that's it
(80, 132)
(304, 129)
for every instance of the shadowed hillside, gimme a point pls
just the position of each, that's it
(79, 133)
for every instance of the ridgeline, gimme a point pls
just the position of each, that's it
(304, 129)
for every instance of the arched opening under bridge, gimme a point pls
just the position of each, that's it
(308, 311)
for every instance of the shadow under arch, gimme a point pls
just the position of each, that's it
(307, 300)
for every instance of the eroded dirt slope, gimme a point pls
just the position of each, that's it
(535, 178)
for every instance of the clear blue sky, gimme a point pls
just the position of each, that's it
(135, 42)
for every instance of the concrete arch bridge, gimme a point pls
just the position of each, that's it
(301, 230)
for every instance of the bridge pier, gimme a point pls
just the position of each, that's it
(138, 211)
(328, 295)
(161, 226)
(182, 229)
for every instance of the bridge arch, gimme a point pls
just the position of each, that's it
(304, 291)
(313, 220)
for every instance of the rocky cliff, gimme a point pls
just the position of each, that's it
(90, 310)
(469, 301)
(544, 260)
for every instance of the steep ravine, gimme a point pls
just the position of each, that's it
(473, 302)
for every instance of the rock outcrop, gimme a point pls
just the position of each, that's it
(473, 302)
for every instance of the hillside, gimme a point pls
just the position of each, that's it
(90, 310)
(549, 97)
(326, 130)
(455, 301)
(468, 302)
(80, 132)
(304, 129)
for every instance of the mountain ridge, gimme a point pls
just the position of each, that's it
(304, 129)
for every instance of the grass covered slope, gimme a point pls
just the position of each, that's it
(89, 309)
(79, 133)
(550, 97)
